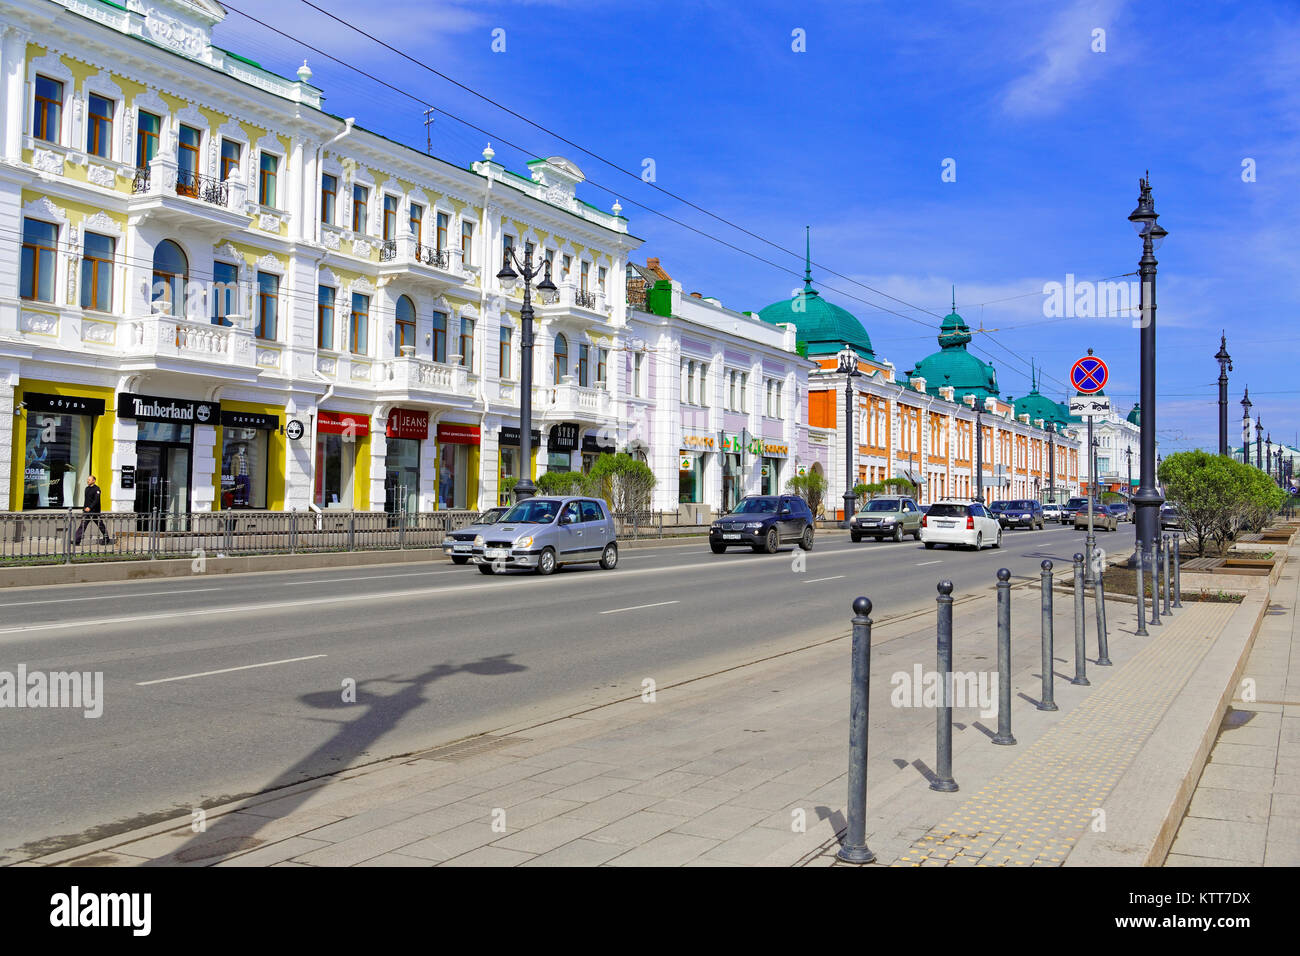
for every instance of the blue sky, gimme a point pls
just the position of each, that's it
(850, 136)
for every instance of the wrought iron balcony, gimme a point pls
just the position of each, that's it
(140, 184)
(584, 299)
(429, 256)
(204, 188)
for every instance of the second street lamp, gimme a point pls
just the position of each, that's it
(1259, 443)
(546, 290)
(1225, 366)
(1148, 498)
(1245, 427)
(848, 364)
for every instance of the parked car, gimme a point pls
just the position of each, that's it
(1023, 512)
(1071, 507)
(1170, 519)
(459, 544)
(764, 523)
(957, 522)
(1120, 509)
(891, 516)
(540, 534)
(1052, 511)
(1101, 518)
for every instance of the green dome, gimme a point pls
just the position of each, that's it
(953, 365)
(824, 328)
(1037, 405)
(1135, 416)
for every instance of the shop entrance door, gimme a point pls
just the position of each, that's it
(162, 483)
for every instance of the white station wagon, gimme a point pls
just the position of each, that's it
(954, 521)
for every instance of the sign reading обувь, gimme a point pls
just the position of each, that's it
(150, 408)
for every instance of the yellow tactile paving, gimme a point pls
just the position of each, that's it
(1036, 810)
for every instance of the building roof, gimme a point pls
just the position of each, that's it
(954, 365)
(1135, 416)
(823, 327)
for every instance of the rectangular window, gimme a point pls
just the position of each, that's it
(466, 241)
(529, 249)
(360, 207)
(467, 343)
(49, 109)
(99, 127)
(329, 194)
(335, 458)
(57, 460)
(600, 279)
(583, 351)
(225, 291)
(97, 273)
(684, 392)
(440, 336)
(243, 467)
(39, 242)
(566, 263)
(268, 298)
(417, 223)
(443, 221)
(390, 216)
(744, 384)
(360, 326)
(602, 361)
(325, 317)
(148, 127)
(405, 330)
(584, 274)
(187, 161)
(266, 180)
(507, 247)
(230, 151)
(505, 353)
(637, 361)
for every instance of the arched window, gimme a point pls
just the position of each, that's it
(561, 358)
(171, 270)
(405, 332)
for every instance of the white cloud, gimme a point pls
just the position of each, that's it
(1059, 57)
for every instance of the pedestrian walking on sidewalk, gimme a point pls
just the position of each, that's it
(91, 508)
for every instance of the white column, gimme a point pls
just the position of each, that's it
(8, 422)
(298, 455)
(13, 67)
(378, 456)
(125, 432)
(202, 491)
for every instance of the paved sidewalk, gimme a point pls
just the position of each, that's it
(1246, 808)
(743, 767)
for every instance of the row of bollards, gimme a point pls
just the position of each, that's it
(854, 848)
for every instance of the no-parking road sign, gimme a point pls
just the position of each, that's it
(1089, 374)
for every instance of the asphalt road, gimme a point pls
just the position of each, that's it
(220, 686)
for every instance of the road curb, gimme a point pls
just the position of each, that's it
(1146, 806)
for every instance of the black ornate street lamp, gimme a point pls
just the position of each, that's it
(1128, 454)
(1245, 427)
(979, 451)
(1268, 454)
(1148, 498)
(1225, 366)
(1051, 460)
(1259, 443)
(548, 293)
(848, 364)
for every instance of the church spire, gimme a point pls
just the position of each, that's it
(807, 259)
(954, 297)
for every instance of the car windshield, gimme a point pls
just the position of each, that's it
(1023, 505)
(491, 516)
(533, 511)
(754, 506)
(947, 511)
(999, 504)
(1077, 503)
(884, 504)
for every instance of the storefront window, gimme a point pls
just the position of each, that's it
(453, 475)
(335, 456)
(732, 482)
(559, 461)
(771, 469)
(57, 460)
(509, 469)
(402, 475)
(243, 467)
(688, 479)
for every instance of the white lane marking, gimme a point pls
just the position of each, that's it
(817, 580)
(110, 597)
(619, 610)
(227, 670)
(924, 563)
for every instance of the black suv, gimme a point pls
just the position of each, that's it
(1022, 511)
(764, 522)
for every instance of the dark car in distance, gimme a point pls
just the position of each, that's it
(1071, 507)
(764, 523)
(1170, 519)
(1022, 512)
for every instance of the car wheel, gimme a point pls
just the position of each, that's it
(929, 545)
(855, 536)
(718, 548)
(609, 557)
(997, 543)
(546, 562)
(806, 542)
(486, 569)
(772, 541)
(979, 539)
(916, 535)
(461, 560)
(898, 533)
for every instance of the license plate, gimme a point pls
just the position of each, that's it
(945, 524)
(461, 547)
(731, 537)
(494, 553)
(871, 523)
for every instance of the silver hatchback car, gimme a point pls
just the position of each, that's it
(540, 534)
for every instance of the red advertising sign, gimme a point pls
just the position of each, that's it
(407, 423)
(340, 423)
(454, 433)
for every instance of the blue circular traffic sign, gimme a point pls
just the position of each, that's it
(1089, 374)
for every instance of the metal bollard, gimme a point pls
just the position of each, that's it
(943, 722)
(1166, 571)
(1099, 599)
(1004, 735)
(1142, 597)
(1154, 558)
(1047, 702)
(854, 848)
(1178, 584)
(1080, 663)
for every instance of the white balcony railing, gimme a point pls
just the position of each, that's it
(164, 335)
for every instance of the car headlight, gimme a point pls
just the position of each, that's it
(524, 541)
(478, 541)
(754, 525)
(889, 519)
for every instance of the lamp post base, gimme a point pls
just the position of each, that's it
(850, 502)
(524, 488)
